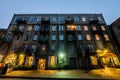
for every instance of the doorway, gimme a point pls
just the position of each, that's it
(41, 64)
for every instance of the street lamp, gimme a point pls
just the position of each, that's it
(61, 55)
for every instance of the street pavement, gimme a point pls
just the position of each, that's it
(107, 73)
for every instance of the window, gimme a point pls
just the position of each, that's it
(71, 27)
(106, 37)
(97, 37)
(77, 19)
(44, 37)
(38, 19)
(14, 47)
(70, 37)
(35, 37)
(43, 47)
(94, 28)
(91, 49)
(86, 28)
(100, 46)
(83, 19)
(53, 37)
(61, 37)
(32, 19)
(33, 48)
(21, 28)
(53, 28)
(61, 28)
(54, 19)
(71, 47)
(100, 19)
(79, 37)
(26, 37)
(53, 47)
(61, 46)
(17, 37)
(36, 28)
(29, 28)
(103, 28)
(88, 37)
(61, 19)
(9, 38)
(78, 28)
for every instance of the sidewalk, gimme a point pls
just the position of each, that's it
(108, 73)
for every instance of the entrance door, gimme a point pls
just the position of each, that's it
(41, 64)
(73, 63)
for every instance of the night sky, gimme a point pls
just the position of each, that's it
(109, 8)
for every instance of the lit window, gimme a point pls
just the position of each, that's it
(53, 47)
(29, 28)
(54, 19)
(61, 46)
(53, 37)
(79, 37)
(78, 28)
(35, 37)
(94, 28)
(36, 28)
(103, 28)
(106, 37)
(86, 28)
(52, 60)
(88, 37)
(61, 28)
(77, 19)
(83, 19)
(71, 27)
(97, 37)
(100, 45)
(43, 47)
(61, 37)
(53, 28)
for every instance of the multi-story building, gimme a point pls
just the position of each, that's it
(115, 31)
(2, 49)
(48, 40)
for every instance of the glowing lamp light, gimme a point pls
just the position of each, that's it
(61, 55)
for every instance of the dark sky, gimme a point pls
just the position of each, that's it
(109, 8)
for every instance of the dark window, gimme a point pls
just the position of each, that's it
(18, 36)
(26, 37)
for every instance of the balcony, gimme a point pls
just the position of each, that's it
(21, 21)
(17, 31)
(93, 21)
(45, 20)
(69, 20)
